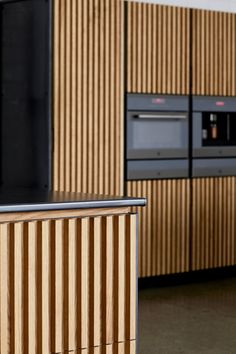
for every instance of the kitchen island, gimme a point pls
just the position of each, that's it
(68, 273)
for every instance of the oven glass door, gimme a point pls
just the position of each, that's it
(157, 135)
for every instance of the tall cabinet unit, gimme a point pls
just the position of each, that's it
(188, 223)
(158, 61)
(213, 205)
(88, 96)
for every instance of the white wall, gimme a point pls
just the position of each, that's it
(218, 5)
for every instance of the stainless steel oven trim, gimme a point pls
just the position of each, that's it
(161, 116)
(217, 151)
(158, 174)
(140, 154)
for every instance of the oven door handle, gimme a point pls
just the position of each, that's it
(161, 116)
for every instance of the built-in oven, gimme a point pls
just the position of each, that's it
(157, 136)
(214, 136)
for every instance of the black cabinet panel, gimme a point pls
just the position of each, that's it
(25, 93)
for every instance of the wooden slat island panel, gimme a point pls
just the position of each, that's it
(68, 284)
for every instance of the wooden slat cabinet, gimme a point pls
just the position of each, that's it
(88, 96)
(158, 49)
(158, 61)
(213, 223)
(164, 226)
(68, 284)
(213, 53)
(173, 50)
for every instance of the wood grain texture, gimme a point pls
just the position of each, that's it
(214, 224)
(58, 214)
(164, 226)
(213, 53)
(129, 347)
(5, 325)
(158, 49)
(88, 96)
(67, 285)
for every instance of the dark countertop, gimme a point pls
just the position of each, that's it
(30, 200)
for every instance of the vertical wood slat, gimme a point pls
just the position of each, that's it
(164, 247)
(18, 287)
(97, 277)
(59, 277)
(83, 283)
(107, 280)
(214, 57)
(158, 49)
(32, 302)
(131, 279)
(58, 322)
(4, 289)
(119, 276)
(45, 289)
(88, 83)
(213, 225)
(128, 347)
(72, 289)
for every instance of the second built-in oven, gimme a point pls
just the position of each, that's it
(214, 136)
(157, 136)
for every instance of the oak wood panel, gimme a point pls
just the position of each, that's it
(58, 214)
(88, 96)
(5, 345)
(213, 53)
(68, 284)
(128, 347)
(158, 49)
(18, 302)
(164, 226)
(213, 223)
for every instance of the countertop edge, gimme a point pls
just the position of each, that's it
(93, 204)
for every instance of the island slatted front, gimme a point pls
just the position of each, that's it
(68, 282)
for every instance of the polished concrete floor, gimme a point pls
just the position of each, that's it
(195, 318)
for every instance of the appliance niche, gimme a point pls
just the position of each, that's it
(157, 143)
(25, 94)
(214, 136)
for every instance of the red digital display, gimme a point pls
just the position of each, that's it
(158, 100)
(220, 103)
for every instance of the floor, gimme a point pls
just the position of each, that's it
(195, 318)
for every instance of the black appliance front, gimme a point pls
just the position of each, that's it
(214, 136)
(157, 136)
(25, 94)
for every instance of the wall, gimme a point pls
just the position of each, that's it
(217, 5)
